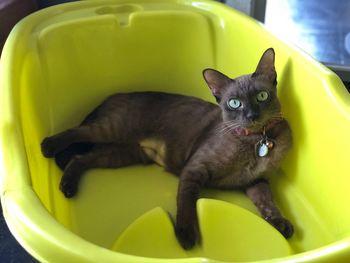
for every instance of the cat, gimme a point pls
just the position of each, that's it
(234, 144)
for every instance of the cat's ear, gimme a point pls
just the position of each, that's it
(266, 66)
(217, 82)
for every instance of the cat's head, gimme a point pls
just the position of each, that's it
(249, 101)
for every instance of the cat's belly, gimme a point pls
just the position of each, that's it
(154, 149)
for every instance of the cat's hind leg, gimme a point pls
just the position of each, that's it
(102, 131)
(63, 157)
(101, 156)
(52, 145)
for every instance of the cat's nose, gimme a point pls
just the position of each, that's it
(252, 115)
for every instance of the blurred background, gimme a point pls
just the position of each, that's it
(320, 28)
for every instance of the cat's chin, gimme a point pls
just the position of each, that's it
(257, 126)
(247, 130)
(254, 128)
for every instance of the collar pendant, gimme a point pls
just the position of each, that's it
(263, 146)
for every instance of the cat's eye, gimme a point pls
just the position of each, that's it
(262, 96)
(234, 104)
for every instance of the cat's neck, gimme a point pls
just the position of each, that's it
(246, 132)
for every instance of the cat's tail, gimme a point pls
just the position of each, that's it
(63, 158)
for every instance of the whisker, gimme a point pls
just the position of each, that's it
(229, 128)
(232, 124)
(223, 127)
(276, 114)
(226, 124)
(276, 118)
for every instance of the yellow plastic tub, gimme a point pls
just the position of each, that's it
(61, 62)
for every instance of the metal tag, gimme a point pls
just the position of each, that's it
(263, 150)
(263, 147)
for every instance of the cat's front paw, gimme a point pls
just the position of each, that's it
(68, 187)
(282, 225)
(48, 147)
(187, 235)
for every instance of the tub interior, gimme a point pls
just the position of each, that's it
(77, 58)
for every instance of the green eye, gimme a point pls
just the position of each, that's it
(262, 96)
(234, 104)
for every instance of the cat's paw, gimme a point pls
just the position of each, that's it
(187, 236)
(282, 225)
(68, 187)
(71, 177)
(48, 147)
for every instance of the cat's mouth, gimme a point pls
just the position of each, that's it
(255, 127)
(247, 130)
(252, 127)
(247, 127)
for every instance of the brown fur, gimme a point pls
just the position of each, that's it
(194, 139)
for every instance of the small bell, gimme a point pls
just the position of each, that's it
(269, 144)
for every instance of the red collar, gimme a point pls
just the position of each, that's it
(245, 132)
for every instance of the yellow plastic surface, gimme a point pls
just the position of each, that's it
(61, 62)
(238, 232)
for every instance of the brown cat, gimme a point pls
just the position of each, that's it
(235, 145)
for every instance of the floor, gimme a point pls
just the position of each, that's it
(10, 250)
(321, 28)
